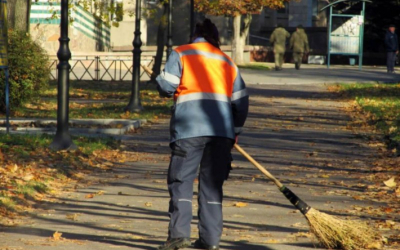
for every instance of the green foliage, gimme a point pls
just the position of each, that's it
(109, 12)
(382, 104)
(29, 71)
(21, 144)
(255, 66)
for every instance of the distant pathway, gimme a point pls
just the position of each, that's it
(318, 74)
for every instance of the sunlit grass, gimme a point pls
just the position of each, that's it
(255, 66)
(98, 100)
(382, 101)
(28, 168)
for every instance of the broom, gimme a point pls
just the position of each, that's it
(331, 232)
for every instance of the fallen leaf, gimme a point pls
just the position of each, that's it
(374, 245)
(28, 177)
(148, 204)
(271, 241)
(101, 192)
(398, 192)
(240, 204)
(388, 210)
(303, 234)
(237, 216)
(57, 236)
(89, 196)
(73, 217)
(390, 183)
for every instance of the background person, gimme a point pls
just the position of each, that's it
(392, 48)
(278, 39)
(211, 106)
(299, 45)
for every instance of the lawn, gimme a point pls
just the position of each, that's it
(90, 99)
(255, 66)
(381, 102)
(30, 172)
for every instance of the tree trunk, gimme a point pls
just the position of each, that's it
(245, 31)
(18, 14)
(240, 37)
(162, 27)
(237, 56)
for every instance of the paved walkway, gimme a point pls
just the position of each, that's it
(316, 74)
(296, 130)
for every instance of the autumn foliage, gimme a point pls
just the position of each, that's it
(31, 173)
(237, 7)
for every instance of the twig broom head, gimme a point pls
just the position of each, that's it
(333, 232)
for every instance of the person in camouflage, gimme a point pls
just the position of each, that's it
(278, 39)
(299, 45)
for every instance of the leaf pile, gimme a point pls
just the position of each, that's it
(380, 104)
(375, 112)
(30, 172)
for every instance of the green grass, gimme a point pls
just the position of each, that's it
(29, 168)
(255, 66)
(381, 101)
(30, 188)
(23, 145)
(98, 100)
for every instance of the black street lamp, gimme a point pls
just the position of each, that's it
(169, 33)
(62, 139)
(191, 20)
(134, 103)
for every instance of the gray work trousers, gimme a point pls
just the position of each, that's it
(391, 61)
(213, 154)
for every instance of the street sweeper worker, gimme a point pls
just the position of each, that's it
(210, 109)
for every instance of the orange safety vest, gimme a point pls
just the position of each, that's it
(205, 69)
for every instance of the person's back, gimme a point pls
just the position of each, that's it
(278, 39)
(299, 45)
(299, 41)
(207, 82)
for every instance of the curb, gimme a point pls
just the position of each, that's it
(124, 124)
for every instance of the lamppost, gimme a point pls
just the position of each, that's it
(62, 139)
(169, 33)
(134, 103)
(191, 20)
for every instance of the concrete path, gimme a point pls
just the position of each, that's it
(315, 74)
(297, 131)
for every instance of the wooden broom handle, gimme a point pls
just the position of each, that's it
(258, 165)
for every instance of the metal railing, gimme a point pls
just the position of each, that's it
(100, 68)
(258, 40)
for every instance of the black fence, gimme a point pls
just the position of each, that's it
(100, 68)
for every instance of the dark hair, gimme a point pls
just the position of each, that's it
(208, 31)
(300, 26)
(392, 26)
(279, 25)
